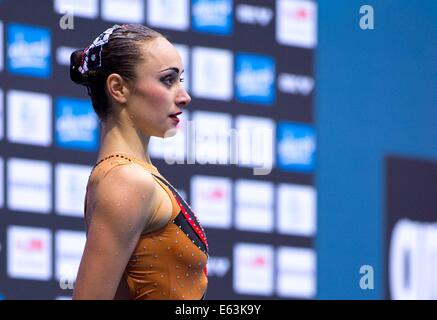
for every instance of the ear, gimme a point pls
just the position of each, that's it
(117, 88)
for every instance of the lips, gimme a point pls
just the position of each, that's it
(175, 116)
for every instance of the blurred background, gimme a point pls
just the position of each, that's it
(335, 100)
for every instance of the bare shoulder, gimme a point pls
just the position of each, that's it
(123, 202)
(125, 196)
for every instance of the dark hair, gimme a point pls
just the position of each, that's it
(119, 55)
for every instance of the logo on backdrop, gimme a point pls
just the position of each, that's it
(212, 16)
(76, 125)
(29, 253)
(296, 23)
(159, 11)
(29, 111)
(253, 15)
(255, 79)
(295, 84)
(296, 147)
(28, 51)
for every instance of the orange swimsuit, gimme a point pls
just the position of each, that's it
(169, 263)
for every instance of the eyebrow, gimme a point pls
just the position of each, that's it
(173, 69)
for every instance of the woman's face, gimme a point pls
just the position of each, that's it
(157, 92)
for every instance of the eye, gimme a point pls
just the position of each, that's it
(168, 80)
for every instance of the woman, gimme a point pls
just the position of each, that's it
(143, 240)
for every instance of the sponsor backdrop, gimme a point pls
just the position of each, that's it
(244, 156)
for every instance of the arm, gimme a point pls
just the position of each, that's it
(125, 200)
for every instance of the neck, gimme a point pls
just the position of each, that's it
(117, 137)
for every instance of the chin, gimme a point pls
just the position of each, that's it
(170, 133)
(165, 134)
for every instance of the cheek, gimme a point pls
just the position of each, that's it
(151, 105)
(153, 96)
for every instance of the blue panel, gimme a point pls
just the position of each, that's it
(212, 16)
(375, 97)
(77, 126)
(29, 50)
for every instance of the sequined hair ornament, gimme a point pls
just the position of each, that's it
(92, 55)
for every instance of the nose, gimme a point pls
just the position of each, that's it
(183, 99)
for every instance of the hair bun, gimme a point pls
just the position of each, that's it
(75, 62)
